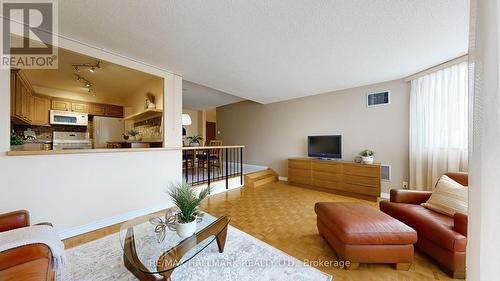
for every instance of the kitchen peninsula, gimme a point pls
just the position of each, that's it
(85, 104)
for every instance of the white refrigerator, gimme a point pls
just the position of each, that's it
(107, 129)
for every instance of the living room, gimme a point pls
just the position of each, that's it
(352, 141)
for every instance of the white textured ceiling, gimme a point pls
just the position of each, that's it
(269, 51)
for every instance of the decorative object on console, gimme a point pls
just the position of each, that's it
(15, 141)
(184, 197)
(194, 140)
(132, 134)
(150, 101)
(367, 156)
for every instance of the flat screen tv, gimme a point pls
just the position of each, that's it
(325, 146)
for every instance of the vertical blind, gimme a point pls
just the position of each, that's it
(438, 125)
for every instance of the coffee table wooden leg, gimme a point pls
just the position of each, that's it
(129, 251)
(221, 239)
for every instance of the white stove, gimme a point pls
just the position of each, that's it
(71, 140)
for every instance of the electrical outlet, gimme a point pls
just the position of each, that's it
(405, 185)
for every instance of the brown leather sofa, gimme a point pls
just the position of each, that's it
(441, 237)
(27, 263)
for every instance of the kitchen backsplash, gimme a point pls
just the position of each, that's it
(45, 132)
(149, 129)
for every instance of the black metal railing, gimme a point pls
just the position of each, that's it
(205, 165)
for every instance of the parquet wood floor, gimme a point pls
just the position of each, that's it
(283, 216)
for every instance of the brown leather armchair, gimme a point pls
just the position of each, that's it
(441, 237)
(27, 263)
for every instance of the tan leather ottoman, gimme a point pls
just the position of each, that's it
(362, 234)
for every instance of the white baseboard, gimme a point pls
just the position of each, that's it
(385, 195)
(66, 233)
(283, 178)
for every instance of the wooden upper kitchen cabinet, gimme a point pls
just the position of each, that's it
(41, 108)
(21, 99)
(62, 105)
(114, 111)
(80, 107)
(97, 109)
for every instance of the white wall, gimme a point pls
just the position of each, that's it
(77, 190)
(483, 245)
(274, 132)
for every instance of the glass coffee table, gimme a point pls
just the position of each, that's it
(151, 250)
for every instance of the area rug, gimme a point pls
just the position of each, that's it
(244, 258)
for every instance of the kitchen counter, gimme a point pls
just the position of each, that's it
(107, 150)
(88, 151)
(135, 144)
(37, 141)
(143, 141)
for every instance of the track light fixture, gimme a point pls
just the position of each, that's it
(86, 83)
(92, 67)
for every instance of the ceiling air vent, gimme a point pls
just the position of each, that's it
(385, 172)
(378, 98)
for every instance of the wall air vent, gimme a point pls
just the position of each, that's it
(385, 172)
(378, 98)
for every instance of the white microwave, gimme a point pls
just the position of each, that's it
(68, 118)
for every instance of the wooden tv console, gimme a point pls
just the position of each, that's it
(335, 176)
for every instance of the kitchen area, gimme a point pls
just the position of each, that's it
(85, 104)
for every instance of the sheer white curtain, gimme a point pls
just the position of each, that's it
(438, 125)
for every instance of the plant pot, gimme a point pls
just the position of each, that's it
(185, 230)
(194, 144)
(367, 159)
(131, 138)
(138, 138)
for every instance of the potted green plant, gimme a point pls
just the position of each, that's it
(367, 156)
(133, 134)
(194, 140)
(15, 141)
(185, 198)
